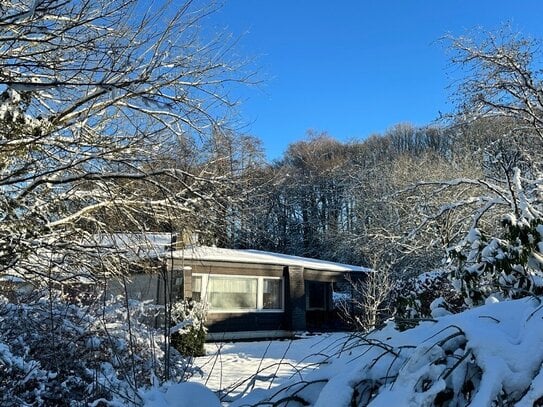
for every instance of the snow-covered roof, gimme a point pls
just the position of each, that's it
(207, 253)
(139, 244)
(157, 245)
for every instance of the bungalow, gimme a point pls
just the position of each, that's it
(249, 293)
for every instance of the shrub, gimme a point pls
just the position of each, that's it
(189, 333)
(415, 297)
(507, 267)
(53, 352)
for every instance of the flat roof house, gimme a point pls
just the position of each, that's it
(253, 293)
(249, 293)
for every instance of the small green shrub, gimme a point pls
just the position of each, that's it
(189, 332)
(190, 343)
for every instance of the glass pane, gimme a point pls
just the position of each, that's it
(232, 293)
(196, 288)
(272, 294)
(177, 285)
(316, 293)
(197, 284)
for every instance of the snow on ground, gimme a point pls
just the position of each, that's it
(231, 366)
(489, 355)
(180, 395)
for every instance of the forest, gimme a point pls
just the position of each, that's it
(109, 124)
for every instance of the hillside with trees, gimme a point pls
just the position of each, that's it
(108, 125)
(472, 197)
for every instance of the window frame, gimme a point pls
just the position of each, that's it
(259, 297)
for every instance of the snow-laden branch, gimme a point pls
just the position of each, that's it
(109, 120)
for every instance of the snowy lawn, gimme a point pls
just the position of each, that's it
(490, 355)
(235, 366)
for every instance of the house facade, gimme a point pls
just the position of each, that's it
(252, 293)
(248, 293)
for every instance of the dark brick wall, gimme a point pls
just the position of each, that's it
(296, 298)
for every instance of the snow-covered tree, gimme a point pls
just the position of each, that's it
(500, 254)
(509, 264)
(106, 111)
(97, 102)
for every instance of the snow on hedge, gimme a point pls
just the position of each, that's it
(491, 355)
(184, 394)
(53, 352)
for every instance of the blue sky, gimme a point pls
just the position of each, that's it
(354, 68)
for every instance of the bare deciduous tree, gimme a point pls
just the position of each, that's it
(96, 99)
(502, 79)
(366, 305)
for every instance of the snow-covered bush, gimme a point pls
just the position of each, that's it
(417, 297)
(507, 266)
(189, 332)
(428, 295)
(449, 361)
(53, 352)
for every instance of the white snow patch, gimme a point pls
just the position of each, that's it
(239, 366)
(498, 346)
(186, 394)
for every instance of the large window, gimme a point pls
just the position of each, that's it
(232, 293)
(225, 293)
